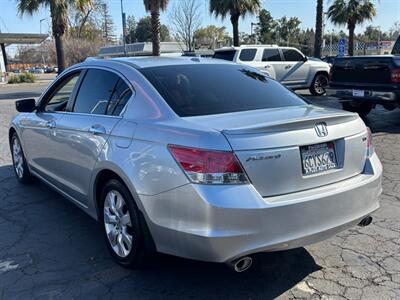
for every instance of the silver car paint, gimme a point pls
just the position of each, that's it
(212, 223)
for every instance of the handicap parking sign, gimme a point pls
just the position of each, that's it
(342, 47)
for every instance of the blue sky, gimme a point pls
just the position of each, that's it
(10, 21)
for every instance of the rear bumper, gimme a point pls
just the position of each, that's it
(218, 224)
(378, 96)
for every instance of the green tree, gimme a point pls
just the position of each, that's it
(131, 29)
(58, 13)
(212, 36)
(288, 28)
(144, 31)
(351, 13)
(318, 28)
(267, 27)
(107, 24)
(154, 7)
(236, 9)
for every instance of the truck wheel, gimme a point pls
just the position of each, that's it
(319, 84)
(363, 109)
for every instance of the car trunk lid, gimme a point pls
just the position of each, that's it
(269, 144)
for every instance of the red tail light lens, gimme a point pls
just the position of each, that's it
(396, 76)
(370, 146)
(209, 167)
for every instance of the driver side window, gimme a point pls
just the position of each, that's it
(59, 99)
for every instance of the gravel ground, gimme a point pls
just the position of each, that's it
(50, 249)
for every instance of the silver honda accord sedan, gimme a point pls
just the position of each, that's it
(198, 158)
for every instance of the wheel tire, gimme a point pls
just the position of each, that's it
(318, 85)
(20, 166)
(136, 256)
(363, 109)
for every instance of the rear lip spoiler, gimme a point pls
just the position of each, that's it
(284, 125)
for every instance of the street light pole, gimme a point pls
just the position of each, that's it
(123, 27)
(40, 25)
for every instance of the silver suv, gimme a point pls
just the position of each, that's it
(285, 64)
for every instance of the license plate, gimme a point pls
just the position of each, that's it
(358, 93)
(318, 158)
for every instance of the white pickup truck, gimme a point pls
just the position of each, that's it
(285, 64)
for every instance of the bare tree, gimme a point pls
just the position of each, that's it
(186, 19)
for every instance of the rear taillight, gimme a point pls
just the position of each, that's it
(370, 146)
(208, 166)
(396, 76)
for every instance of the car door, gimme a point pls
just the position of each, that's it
(39, 129)
(296, 67)
(85, 129)
(271, 63)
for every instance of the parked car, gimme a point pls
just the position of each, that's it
(198, 158)
(285, 64)
(362, 82)
(49, 69)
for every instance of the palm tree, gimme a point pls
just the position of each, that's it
(351, 13)
(318, 28)
(154, 7)
(58, 14)
(236, 9)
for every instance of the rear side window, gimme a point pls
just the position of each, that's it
(102, 92)
(122, 93)
(292, 55)
(204, 89)
(226, 55)
(247, 54)
(271, 55)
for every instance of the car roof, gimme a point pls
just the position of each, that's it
(252, 46)
(158, 61)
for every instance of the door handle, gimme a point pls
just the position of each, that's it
(97, 129)
(288, 66)
(51, 124)
(267, 66)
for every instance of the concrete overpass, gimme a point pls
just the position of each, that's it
(16, 38)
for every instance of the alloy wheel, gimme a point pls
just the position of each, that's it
(320, 84)
(18, 158)
(117, 222)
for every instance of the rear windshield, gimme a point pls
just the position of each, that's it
(226, 55)
(194, 90)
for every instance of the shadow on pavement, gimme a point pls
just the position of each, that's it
(59, 250)
(19, 95)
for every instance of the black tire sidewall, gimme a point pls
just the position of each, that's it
(136, 257)
(363, 109)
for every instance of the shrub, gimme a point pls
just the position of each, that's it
(13, 79)
(24, 77)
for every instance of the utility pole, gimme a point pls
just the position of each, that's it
(123, 27)
(330, 46)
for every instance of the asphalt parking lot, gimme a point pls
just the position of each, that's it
(49, 249)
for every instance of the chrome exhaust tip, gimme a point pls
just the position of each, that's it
(241, 264)
(365, 222)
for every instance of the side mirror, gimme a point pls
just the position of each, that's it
(305, 58)
(25, 105)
